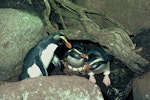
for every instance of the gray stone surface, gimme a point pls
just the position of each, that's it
(19, 31)
(51, 88)
(141, 87)
(132, 14)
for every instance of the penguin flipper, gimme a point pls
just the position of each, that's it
(41, 66)
(56, 61)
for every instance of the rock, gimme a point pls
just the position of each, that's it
(51, 88)
(141, 87)
(130, 13)
(19, 31)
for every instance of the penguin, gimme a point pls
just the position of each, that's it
(39, 57)
(75, 57)
(98, 62)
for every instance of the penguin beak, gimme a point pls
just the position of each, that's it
(68, 44)
(84, 56)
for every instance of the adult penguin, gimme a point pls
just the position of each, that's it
(75, 58)
(98, 62)
(39, 57)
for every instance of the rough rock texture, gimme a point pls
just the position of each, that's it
(51, 88)
(133, 14)
(141, 87)
(19, 31)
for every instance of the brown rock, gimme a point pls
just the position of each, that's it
(51, 88)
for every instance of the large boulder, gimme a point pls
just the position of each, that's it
(51, 88)
(19, 31)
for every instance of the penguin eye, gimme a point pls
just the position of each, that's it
(62, 41)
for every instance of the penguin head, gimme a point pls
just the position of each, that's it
(97, 58)
(61, 39)
(99, 52)
(95, 62)
(76, 56)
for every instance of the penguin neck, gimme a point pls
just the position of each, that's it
(75, 62)
(47, 54)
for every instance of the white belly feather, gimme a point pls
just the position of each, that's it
(34, 71)
(48, 54)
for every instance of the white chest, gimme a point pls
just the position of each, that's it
(48, 54)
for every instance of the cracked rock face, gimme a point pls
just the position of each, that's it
(19, 31)
(51, 88)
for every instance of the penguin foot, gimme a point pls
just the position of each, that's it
(92, 79)
(106, 80)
